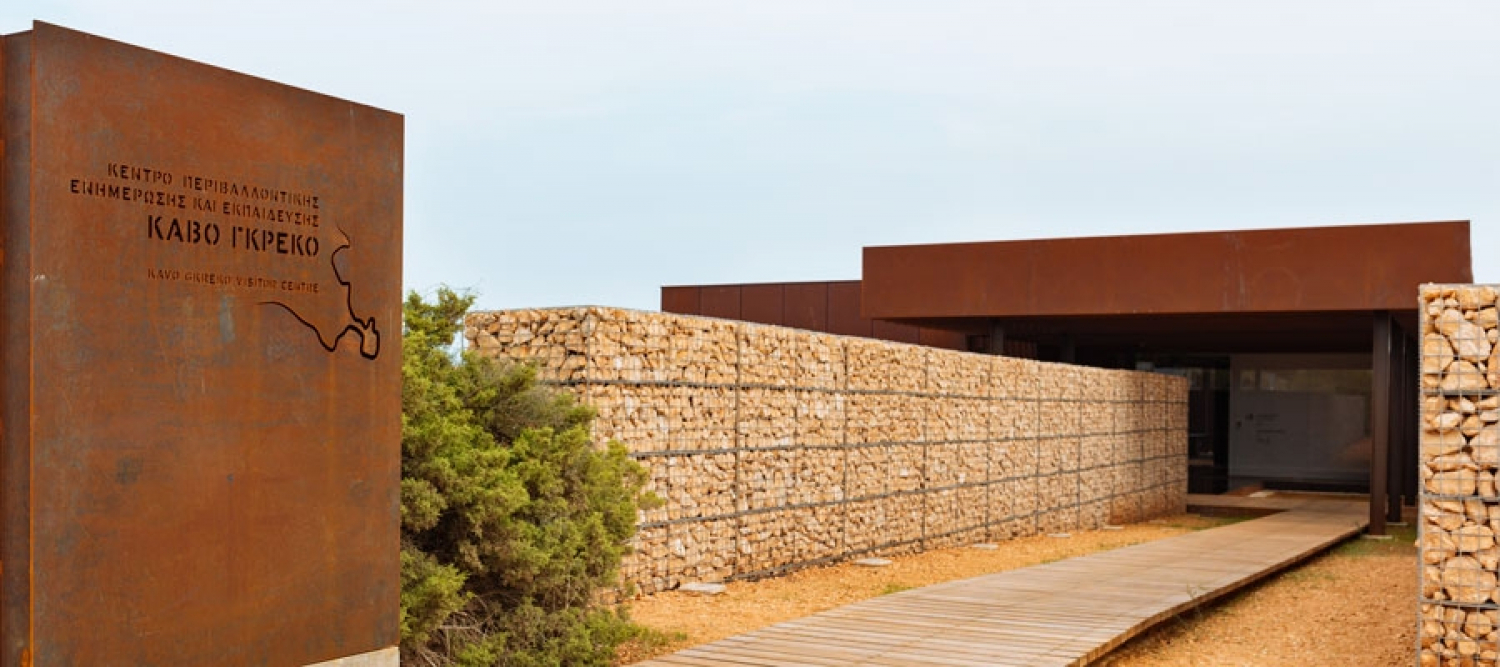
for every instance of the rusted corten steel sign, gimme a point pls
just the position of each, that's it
(1367, 267)
(201, 343)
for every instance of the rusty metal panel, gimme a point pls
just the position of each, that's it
(806, 306)
(831, 307)
(943, 338)
(1020, 348)
(681, 300)
(843, 310)
(720, 301)
(893, 331)
(15, 340)
(203, 290)
(1365, 267)
(761, 303)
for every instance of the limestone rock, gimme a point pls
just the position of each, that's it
(1485, 485)
(1475, 297)
(1437, 546)
(1449, 321)
(1484, 447)
(1452, 483)
(1492, 366)
(1487, 318)
(1450, 462)
(1468, 339)
(702, 588)
(1437, 353)
(1470, 426)
(1471, 344)
(1466, 582)
(1475, 510)
(1444, 518)
(1488, 559)
(1446, 421)
(1470, 538)
(1464, 376)
(1442, 443)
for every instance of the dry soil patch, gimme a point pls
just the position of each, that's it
(682, 620)
(1353, 606)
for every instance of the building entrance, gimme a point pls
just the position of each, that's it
(1300, 422)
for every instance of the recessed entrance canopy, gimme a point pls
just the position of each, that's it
(1212, 304)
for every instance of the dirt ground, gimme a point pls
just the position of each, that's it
(1353, 606)
(681, 620)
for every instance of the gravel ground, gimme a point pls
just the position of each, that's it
(682, 620)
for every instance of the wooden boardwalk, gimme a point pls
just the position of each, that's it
(1066, 613)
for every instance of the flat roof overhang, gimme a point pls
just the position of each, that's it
(1213, 333)
(1326, 270)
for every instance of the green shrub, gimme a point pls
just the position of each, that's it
(511, 521)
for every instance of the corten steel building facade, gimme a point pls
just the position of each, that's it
(1300, 344)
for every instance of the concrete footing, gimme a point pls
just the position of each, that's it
(386, 657)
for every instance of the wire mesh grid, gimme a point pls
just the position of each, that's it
(1459, 602)
(776, 449)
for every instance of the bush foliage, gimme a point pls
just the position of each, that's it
(511, 521)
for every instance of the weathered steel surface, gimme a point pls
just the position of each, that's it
(1367, 267)
(901, 333)
(807, 306)
(761, 303)
(15, 339)
(843, 310)
(202, 349)
(720, 301)
(679, 299)
(949, 340)
(830, 307)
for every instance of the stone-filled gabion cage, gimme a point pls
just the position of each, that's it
(776, 449)
(1460, 460)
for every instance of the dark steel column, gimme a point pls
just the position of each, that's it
(1412, 391)
(1380, 419)
(1401, 373)
(997, 338)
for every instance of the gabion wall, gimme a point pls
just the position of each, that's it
(777, 448)
(1460, 455)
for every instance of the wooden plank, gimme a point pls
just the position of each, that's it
(1036, 616)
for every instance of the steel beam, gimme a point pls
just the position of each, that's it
(1380, 418)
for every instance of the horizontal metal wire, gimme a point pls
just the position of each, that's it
(791, 507)
(908, 393)
(646, 454)
(1460, 393)
(896, 544)
(1440, 497)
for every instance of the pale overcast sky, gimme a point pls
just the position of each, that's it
(590, 152)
